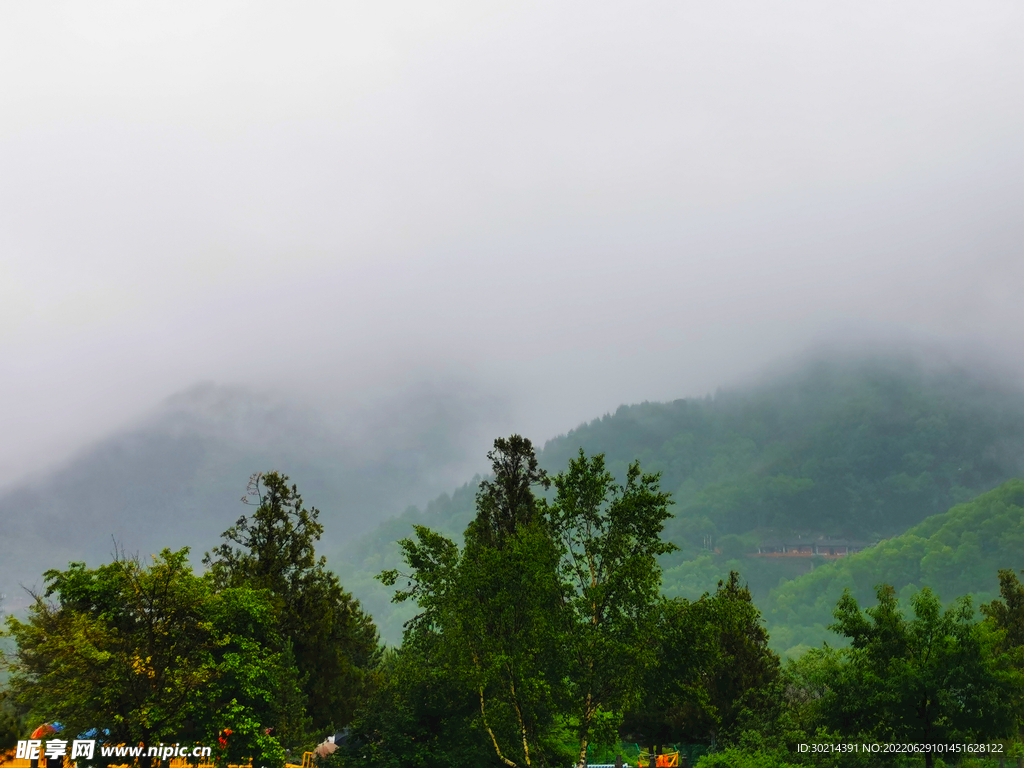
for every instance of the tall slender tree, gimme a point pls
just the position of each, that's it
(546, 605)
(609, 541)
(334, 642)
(496, 603)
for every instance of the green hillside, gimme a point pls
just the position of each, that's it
(955, 553)
(863, 449)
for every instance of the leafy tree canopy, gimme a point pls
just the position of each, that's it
(929, 679)
(333, 641)
(609, 541)
(714, 674)
(156, 654)
(542, 611)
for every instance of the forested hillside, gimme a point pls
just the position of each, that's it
(862, 449)
(955, 553)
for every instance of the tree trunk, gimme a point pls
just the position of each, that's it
(145, 761)
(519, 715)
(494, 739)
(588, 714)
(583, 754)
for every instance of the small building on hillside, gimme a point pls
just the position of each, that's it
(800, 547)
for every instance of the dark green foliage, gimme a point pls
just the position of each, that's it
(714, 675)
(333, 641)
(507, 502)
(808, 682)
(420, 712)
(1007, 614)
(738, 758)
(10, 727)
(742, 673)
(929, 679)
(1005, 618)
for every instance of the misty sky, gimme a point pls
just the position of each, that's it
(563, 206)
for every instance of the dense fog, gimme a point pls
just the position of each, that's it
(529, 213)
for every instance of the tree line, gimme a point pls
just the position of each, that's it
(541, 638)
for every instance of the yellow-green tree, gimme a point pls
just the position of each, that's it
(155, 654)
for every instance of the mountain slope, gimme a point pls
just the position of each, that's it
(175, 479)
(955, 553)
(857, 448)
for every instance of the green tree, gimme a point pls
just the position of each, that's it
(1005, 618)
(545, 607)
(507, 504)
(334, 642)
(714, 675)
(154, 654)
(495, 607)
(930, 679)
(808, 681)
(420, 712)
(1008, 614)
(743, 682)
(9, 725)
(609, 538)
(256, 685)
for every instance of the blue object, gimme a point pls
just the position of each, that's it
(92, 733)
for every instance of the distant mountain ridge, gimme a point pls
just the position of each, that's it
(175, 478)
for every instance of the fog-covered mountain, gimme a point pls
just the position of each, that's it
(863, 448)
(176, 477)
